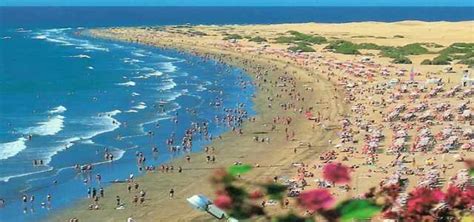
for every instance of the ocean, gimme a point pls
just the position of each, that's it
(78, 96)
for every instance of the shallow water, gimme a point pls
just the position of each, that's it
(77, 95)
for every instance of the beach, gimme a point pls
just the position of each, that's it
(313, 108)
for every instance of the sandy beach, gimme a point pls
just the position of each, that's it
(313, 108)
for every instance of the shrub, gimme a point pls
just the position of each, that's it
(301, 47)
(298, 37)
(257, 39)
(402, 60)
(426, 62)
(232, 36)
(413, 49)
(343, 47)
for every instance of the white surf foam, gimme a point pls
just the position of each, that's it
(7, 178)
(82, 56)
(138, 54)
(155, 73)
(131, 61)
(47, 128)
(140, 105)
(11, 149)
(135, 94)
(201, 88)
(131, 111)
(90, 67)
(58, 109)
(129, 83)
(168, 84)
(168, 67)
(40, 37)
(88, 46)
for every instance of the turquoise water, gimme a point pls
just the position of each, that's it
(77, 96)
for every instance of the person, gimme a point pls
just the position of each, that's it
(118, 201)
(171, 193)
(101, 191)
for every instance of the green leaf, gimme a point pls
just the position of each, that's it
(275, 191)
(471, 172)
(357, 209)
(239, 169)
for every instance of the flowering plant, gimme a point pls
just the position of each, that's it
(389, 201)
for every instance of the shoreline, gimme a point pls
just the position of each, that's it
(225, 160)
(357, 102)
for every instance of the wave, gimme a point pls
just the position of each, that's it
(40, 37)
(135, 94)
(131, 111)
(90, 67)
(131, 61)
(88, 46)
(201, 88)
(138, 54)
(7, 178)
(48, 128)
(140, 105)
(61, 41)
(173, 96)
(104, 120)
(82, 56)
(168, 67)
(146, 76)
(168, 84)
(155, 73)
(129, 83)
(58, 109)
(11, 149)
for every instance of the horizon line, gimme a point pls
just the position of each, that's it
(244, 6)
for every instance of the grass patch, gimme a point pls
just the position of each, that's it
(464, 52)
(232, 36)
(301, 47)
(398, 36)
(298, 37)
(343, 47)
(258, 39)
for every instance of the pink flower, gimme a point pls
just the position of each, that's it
(421, 200)
(256, 194)
(223, 202)
(336, 173)
(317, 199)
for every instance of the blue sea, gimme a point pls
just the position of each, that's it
(77, 95)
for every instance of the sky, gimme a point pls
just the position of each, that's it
(237, 3)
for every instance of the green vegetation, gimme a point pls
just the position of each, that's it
(298, 37)
(398, 36)
(301, 47)
(398, 54)
(258, 39)
(343, 47)
(431, 45)
(232, 36)
(464, 52)
(401, 60)
(198, 33)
